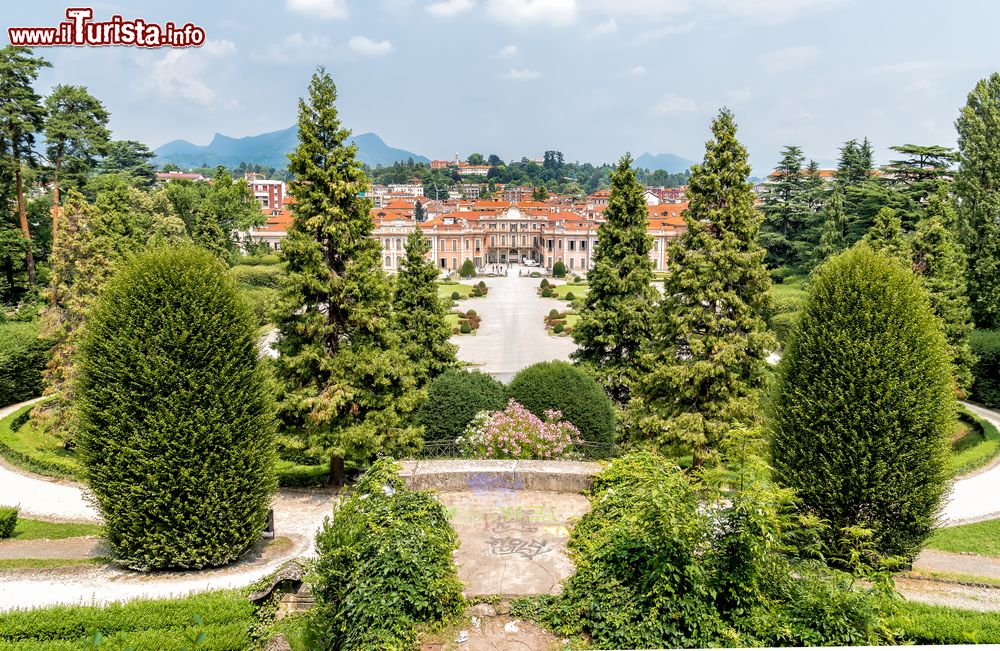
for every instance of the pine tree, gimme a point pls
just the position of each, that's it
(786, 210)
(21, 117)
(939, 260)
(916, 177)
(834, 230)
(76, 133)
(864, 195)
(864, 404)
(420, 314)
(617, 313)
(886, 235)
(346, 385)
(707, 357)
(978, 188)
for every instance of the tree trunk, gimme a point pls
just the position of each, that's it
(55, 219)
(337, 476)
(696, 457)
(22, 214)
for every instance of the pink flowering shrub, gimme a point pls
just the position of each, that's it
(516, 433)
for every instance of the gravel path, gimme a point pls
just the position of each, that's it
(512, 335)
(976, 497)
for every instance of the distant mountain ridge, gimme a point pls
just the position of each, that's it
(270, 149)
(671, 163)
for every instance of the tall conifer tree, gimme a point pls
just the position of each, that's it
(346, 385)
(707, 358)
(617, 314)
(786, 210)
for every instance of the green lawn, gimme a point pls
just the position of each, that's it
(446, 290)
(924, 624)
(979, 538)
(225, 617)
(46, 564)
(35, 449)
(28, 529)
(579, 290)
(973, 452)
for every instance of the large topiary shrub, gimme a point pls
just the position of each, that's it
(864, 404)
(559, 269)
(986, 371)
(176, 422)
(22, 359)
(454, 398)
(567, 389)
(468, 269)
(385, 565)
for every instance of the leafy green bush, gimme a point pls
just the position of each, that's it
(23, 356)
(454, 398)
(468, 269)
(293, 475)
(8, 521)
(655, 568)
(464, 327)
(173, 402)
(262, 301)
(553, 313)
(926, 624)
(570, 296)
(544, 283)
(565, 388)
(481, 284)
(470, 313)
(516, 433)
(864, 404)
(258, 276)
(558, 328)
(547, 292)
(145, 625)
(559, 269)
(260, 260)
(536, 274)
(385, 565)
(986, 372)
(455, 296)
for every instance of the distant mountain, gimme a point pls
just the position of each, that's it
(667, 162)
(270, 149)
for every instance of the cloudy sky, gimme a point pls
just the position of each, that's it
(592, 78)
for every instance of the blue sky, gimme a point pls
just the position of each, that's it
(592, 78)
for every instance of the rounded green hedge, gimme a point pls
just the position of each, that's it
(566, 388)
(468, 269)
(453, 398)
(559, 269)
(986, 371)
(176, 419)
(23, 357)
(547, 292)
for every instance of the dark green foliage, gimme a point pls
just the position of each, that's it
(8, 521)
(547, 292)
(22, 359)
(174, 402)
(864, 404)
(385, 565)
(569, 296)
(292, 475)
(554, 313)
(465, 328)
(258, 275)
(145, 625)
(481, 284)
(559, 269)
(420, 316)
(617, 314)
(455, 296)
(926, 624)
(468, 269)
(557, 328)
(453, 398)
(568, 389)
(986, 372)
(706, 359)
(787, 208)
(978, 188)
(655, 568)
(544, 283)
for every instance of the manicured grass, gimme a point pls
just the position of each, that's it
(35, 449)
(225, 617)
(971, 453)
(294, 475)
(579, 290)
(445, 291)
(45, 564)
(28, 529)
(979, 538)
(294, 630)
(925, 624)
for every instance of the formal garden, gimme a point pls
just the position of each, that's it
(736, 502)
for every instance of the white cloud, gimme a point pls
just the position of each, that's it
(507, 52)
(521, 74)
(788, 58)
(553, 13)
(671, 105)
(295, 47)
(448, 8)
(177, 74)
(323, 9)
(368, 47)
(637, 71)
(738, 96)
(666, 30)
(609, 26)
(773, 11)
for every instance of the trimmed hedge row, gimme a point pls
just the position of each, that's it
(50, 467)
(260, 276)
(8, 521)
(566, 388)
(453, 398)
(23, 357)
(986, 372)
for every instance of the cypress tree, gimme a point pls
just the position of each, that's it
(834, 230)
(347, 386)
(176, 423)
(618, 311)
(863, 404)
(978, 188)
(707, 357)
(420, 314)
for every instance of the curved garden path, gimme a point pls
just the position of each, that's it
(975, 497)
